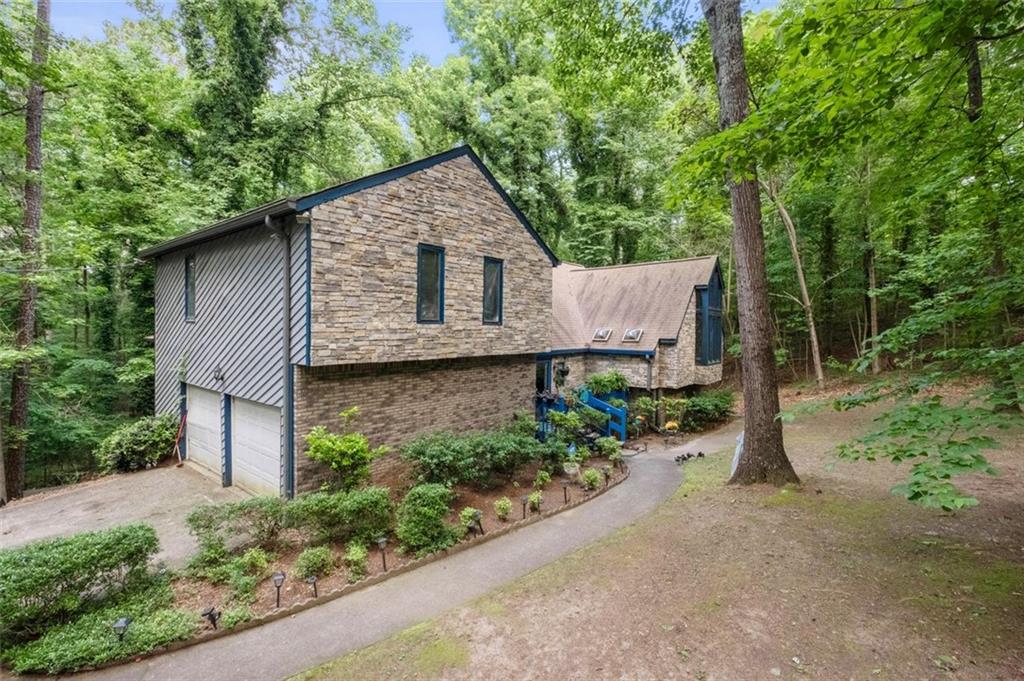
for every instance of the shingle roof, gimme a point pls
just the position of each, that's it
(652, 296)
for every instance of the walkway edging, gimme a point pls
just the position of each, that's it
(334, 594)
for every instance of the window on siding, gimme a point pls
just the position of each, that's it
(430, 284)
(190, 287)
(494, 282)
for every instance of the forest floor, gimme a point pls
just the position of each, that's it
(835, 579)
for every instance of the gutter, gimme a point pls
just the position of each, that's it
(280, 231)
(596, 351)
(268, 211)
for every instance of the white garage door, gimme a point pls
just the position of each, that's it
(203, 428)
(256, 447)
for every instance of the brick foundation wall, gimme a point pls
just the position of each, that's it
(400, 400)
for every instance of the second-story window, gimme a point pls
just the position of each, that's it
(430, 284)
(494, 282)
(190, 288)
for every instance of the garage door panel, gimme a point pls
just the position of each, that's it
(256, 446)
(203, 441)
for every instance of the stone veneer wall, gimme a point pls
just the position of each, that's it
(400, 400)
(364, 259)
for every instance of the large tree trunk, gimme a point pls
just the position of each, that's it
(805, 297)
(26, 322)
(764, 457)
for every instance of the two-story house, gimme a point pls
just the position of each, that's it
(420, 294)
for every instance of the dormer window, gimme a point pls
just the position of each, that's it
(632, 335)
(602, 335)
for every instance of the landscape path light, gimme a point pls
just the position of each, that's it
(311, 580)
(525, 499)
(278, 578)
(121, 627)
(607, 470)
(382, 544)
(211, 614)
(565, 491)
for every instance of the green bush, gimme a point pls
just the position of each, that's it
(88, 640)
(241, 573)
(569, 427)
(535, 500)
(591, 478)
(542, 480)
(523, 423)
(51, 580)
(596, 420)
(232, 617)
(645, 408)
(362, 514)
(606, 382)
(347, 454)
(707, 409)
(356, 560)
(607, 446)
(468, 516)
(674, 409)
(422, 526)
(479, 459)
(316, 560)
(503, 508)
(260, 519)
(138, 445)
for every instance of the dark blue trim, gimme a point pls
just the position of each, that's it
(289, 443)
(596, 351)
(182, 413)
(501, 291)
(225, 400)
(420, 250)
(190, 317)
(309, 291)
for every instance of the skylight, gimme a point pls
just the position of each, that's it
(632, 335)
(602, 334)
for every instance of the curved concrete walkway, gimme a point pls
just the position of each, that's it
(288, 646)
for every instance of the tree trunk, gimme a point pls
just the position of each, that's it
(876, 360)
(787, 221)
(764, 457)
(26, 322)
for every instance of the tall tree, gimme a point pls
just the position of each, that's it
(14, 468)
(764, 456)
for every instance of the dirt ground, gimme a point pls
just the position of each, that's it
(836, 579)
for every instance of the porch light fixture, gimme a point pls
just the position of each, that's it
(382, 544)
(278, 578)
(565, 491)
(211, 615)
(121, 627)
(218, 374)
(525, 499)
(311, 580)
(632, 335)
(602, 334)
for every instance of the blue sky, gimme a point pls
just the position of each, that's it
(428, 35)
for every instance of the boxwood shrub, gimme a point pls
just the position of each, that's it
(422, 524)
(88, 640)
(362, 514)
(259, 520)
(481, 459)
(48, 581)
(138, 445)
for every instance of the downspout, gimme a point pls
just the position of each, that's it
(650, 371)
(281, 232)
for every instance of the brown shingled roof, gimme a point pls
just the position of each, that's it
(652, 296)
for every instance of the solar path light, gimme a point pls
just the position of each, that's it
(278, 578)
(382, 544)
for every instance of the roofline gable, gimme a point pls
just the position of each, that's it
(301, 204)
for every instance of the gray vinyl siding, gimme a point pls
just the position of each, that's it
(299, 309)
(237, 323)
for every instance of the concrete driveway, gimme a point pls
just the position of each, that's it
(161, 497)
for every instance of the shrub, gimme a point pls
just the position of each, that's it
(260, 519)
(362, 514)
(348, 454)
(542, 479)
(255, 561)
(569, 427)
(607, 382)
(421, 519)
(356, 560)
(591, 478)
(232, 617)
(707, 409)
(674, 408)
(316, 560)
(477, 459)
(138, 445)
(646, 409)
(523, 423)
(593, 418)
(88, 641)
(608, 447)
(503, 508)
(535, 500)
(50, 580)
(441, 458)
(468, 517)
(241, 573)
